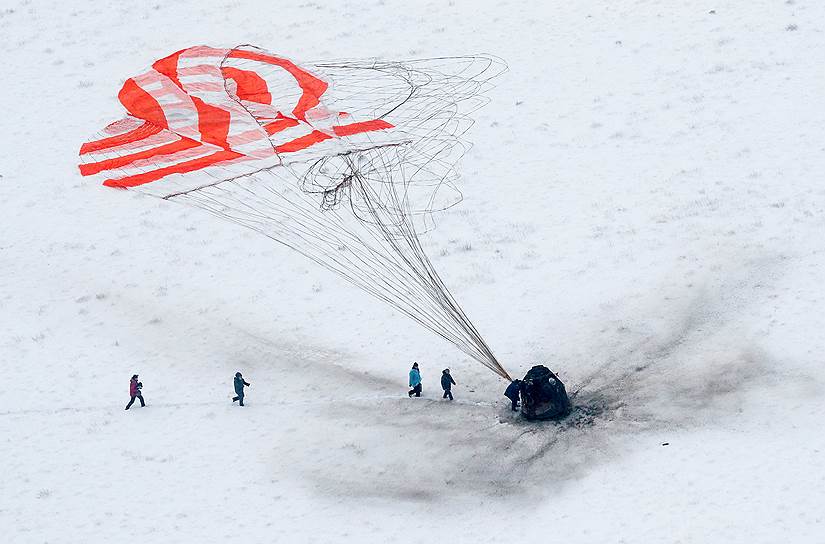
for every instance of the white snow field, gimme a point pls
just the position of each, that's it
(644, 212)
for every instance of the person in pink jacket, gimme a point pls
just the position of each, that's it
(134, 391)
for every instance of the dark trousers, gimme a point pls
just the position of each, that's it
(239, 397)
(132, 400)
(515, 404)
(415, 391)
(448, 394)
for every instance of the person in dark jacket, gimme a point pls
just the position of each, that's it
(134, 391)
(512, 393)
(447, 382)
(239, 384)
(415, 381)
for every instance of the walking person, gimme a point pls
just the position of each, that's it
(447, 382)
(415, 381)
(239, 385)
(512, 393)
(134, 391)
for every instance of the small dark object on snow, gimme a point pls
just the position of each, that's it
(666, 443)
(135, 392)
(512, 393)
(543, 396)
(447, 383)
(415, 381)
(239, 383)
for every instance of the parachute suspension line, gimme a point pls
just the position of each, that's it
(359, 213)
(409, 248)
(307, 240)
(371, 266)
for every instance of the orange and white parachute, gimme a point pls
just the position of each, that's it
(344, 161)
(239, 108)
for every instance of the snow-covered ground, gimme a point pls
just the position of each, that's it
(644, 212)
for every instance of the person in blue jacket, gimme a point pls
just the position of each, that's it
(415, 381)
(239, 384)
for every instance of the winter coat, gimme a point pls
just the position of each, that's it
(239, 383)
(415, 377)
(512, 390)
(447, 381)
(133, 388)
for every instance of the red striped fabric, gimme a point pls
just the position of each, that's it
(358, 128)
(201, 107)
(303, 142)
(181, 168)
(280, 124)
(250, 86)
(311, 86)
(141, 104)
(143, 131)
(119, 162)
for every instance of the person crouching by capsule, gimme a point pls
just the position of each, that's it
(239, 385)
(512, 393)
(415, 381)
(134, 392)
(447, 383)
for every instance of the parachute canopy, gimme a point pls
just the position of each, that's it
(343, 161)
(239, 108)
